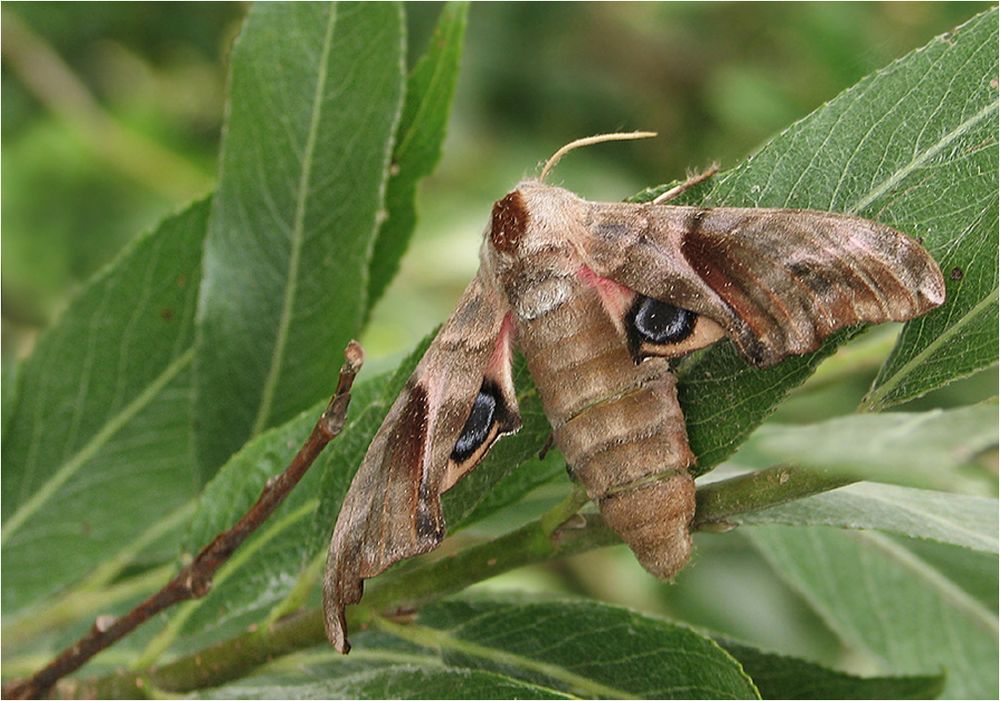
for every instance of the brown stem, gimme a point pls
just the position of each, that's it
(195, 580)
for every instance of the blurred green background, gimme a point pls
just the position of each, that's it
(112, 112)
(111, 116)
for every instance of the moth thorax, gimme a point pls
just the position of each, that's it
(654, 520)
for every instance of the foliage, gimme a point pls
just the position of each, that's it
(188, 371)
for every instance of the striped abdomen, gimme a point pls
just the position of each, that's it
(617, 423)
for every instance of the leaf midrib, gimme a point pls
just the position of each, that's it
(921, 158)
(875, 399)
(948, 590)
(929, 577)
(430, 637)
(988, 545)
(862, 491)
(297, 235)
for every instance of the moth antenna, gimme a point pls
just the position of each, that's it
(588, 141)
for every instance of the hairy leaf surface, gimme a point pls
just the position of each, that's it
(896, 609)
(970, 522)
(98, 453)
(926, 449)
(314, 99)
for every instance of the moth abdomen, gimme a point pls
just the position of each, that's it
(654, 521)
(628, 438)
(628, 448)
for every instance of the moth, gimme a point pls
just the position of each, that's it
(599, 298)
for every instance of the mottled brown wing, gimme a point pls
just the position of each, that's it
(457, 402)
(778, 281)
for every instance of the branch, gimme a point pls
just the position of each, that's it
(535, 542)
(195, 580)
(759, 490)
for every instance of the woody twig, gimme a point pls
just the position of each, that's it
(195, 579)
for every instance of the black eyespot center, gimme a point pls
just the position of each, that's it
(477, 426)
(658, 322)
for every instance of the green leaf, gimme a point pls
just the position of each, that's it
(961, 132)
(974, 571)
(98, 445)
(315, 95)
(429, 92)
(937, 350)
(10, 372)
(912, 146)
(969, 522)
(724, 399)
(586, 649)
(781, 677)
(923, 449)
(499, 648)
(384, 672)
(891, 607)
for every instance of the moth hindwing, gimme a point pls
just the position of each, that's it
(599, 297)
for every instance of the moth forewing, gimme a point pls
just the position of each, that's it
(392, 509)
(598, 297)
(778, 281)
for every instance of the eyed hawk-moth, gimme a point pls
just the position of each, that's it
(599, 297)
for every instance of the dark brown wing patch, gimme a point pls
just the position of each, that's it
(793, 277)
(409, 436)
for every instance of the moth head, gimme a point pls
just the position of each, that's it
(534, 204)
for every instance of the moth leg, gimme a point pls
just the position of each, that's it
(549, 442)
(687, 184)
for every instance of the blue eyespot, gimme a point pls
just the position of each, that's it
(660, 323)
(477, 426)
